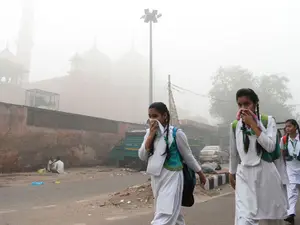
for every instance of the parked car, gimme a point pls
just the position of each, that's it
(213, 153)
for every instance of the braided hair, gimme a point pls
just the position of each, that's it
(247, 92)
(162, 109)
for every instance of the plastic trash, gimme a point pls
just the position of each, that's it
(37, 183)
(57, 182)
(209, 168)
(41, 171)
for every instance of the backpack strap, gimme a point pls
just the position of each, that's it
(175, 129)
(234, 124)
(265, 120)
(284, 139)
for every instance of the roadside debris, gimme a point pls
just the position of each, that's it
(140, 196)
(210, 168)
(76, 174)
(37, 183)
(129, 170)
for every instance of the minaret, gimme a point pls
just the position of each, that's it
(95, 46)
(25, 37)
(76, 65)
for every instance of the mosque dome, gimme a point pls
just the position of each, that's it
(96, 63)
(8, 55)
(132, 67)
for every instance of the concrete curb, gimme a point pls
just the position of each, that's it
(216, 181)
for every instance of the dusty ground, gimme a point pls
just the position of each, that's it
(90, 212)
(135, 197)
(71, 175)
(78, 174)
(140, 196)
(99, 209)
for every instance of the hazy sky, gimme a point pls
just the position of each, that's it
(191, 40)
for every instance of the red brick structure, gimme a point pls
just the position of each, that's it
(29, 136)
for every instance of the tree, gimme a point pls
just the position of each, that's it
(272, 91)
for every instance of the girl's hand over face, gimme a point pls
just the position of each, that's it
(153, 127)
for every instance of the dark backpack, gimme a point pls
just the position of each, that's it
(189, 180)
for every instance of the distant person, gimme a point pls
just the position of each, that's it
(162, 149)
(50, 164)
(260, 196)
(291, 149)
(58, 166)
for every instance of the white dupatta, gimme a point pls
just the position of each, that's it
(157, 160)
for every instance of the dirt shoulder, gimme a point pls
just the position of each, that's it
(141, 197)
(134, 201)
(70, 175)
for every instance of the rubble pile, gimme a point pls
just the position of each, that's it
(123, 172)
(140, 196)
(133, 197)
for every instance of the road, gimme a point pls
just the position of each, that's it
(217, 211)
(24, 197)
(47, 204)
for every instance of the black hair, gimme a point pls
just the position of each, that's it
(294, 123)
(57, 158)
(247, 92)
(162, 109)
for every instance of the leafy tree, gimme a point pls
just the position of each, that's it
(272, 91)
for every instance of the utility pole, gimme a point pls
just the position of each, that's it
(169, 90)
(172, 107)
(150, 66)
(150, 17)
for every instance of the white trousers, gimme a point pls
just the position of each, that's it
(165, 219)
(292, 193)
(244, 221)
(168, 189)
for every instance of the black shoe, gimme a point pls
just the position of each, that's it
(290, 219)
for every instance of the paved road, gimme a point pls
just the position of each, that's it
(23, 197)
(218, 211)
(20, 197)
(26, 204)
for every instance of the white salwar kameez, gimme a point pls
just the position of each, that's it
(260, 195)
(167, 185)
(293, 171)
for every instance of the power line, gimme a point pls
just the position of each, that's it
(176, 87)
(181, 90)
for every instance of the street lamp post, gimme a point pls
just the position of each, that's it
(151, 17)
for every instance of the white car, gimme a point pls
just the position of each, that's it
(213, 153)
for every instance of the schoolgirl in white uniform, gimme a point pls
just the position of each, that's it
(290, 146)
(260, 197)
(163, 153)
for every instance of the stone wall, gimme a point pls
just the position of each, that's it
(29, 136)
